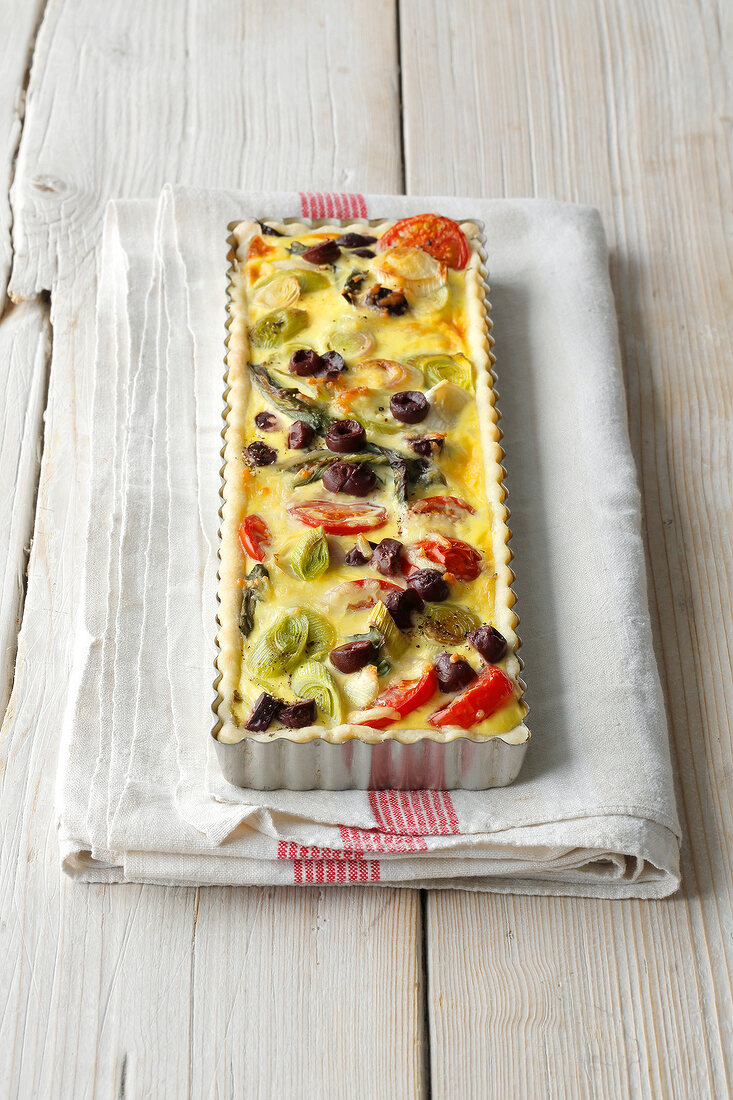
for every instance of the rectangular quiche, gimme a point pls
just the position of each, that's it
(365, 588)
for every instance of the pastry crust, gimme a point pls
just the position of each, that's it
(237, 399)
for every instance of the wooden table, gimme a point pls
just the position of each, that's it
(142, 991)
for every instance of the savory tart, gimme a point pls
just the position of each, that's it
(364, 582)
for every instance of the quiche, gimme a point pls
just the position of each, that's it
(364, 584)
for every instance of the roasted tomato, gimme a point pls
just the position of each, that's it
(339, 519)
(404, 696)
(353, 595)
(254, 537)
(458, 557)
(453, 508)
(491, 689)
(441, 237)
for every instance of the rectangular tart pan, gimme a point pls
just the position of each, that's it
(274, 761)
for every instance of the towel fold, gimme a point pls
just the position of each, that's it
(140, 795)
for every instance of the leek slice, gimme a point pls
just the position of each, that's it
(351, 338)
(312, 680)
(451, 368)
(310, 558)
(311, 280)
(394, 643)
(278, 292)
(321, 635)
(280, 648)
(448, 622)
(277, 327)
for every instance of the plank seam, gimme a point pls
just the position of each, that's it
(400, 98)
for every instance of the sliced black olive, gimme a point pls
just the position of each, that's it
(352, 656)
(387, 557)
(409, 406)
(267, 422)
(269, 231)
(487, 641)
(300, 435)
(333, 365)
(305, 362)
(355, 240)
(355, 557)
(327, 252)
(265, 710)
(430, 585)
(350, 477)
(259, 454)
(345, 436)
(365, 252)
(386, 300)
(427, 445)
(401, 606)
(297, 715)
(454, 674)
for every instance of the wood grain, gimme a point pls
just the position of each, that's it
(623, 106)
(145, 991)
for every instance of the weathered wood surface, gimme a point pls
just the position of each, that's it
(625, 106)
(141, 991)
(146, 991)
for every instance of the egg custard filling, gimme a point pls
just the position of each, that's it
(364, 581)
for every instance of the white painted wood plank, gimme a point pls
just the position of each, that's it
(18, 23)
(146, 991)
(621, 106)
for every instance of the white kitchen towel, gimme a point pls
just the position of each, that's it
(140, 795)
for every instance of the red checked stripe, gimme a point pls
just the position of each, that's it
(287, 849)
(332, 204)
(374, 841)
(337, 871)
(416, 813)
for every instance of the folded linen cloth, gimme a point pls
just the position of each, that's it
(140, 794)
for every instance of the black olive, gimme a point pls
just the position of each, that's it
(454, 674)
(487, 641)
(259, 454)
(333, 365)
(300, 435)
(297, 715)
(427, 445)
(387, 557)
(345, 436)
(355, 240)
(267, 422)
(350, 477)
(327, 252)
(266, 708)
(365, 252)
(409, 406)
(353, 655)
(429, 584)
(388, 301)
(355, 557)
(401, 606)
(305, 362)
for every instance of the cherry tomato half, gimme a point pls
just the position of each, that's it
(255, 537)
(491, 689)
(458, 557)
(339, 519)
(441, 237)
(404, 696)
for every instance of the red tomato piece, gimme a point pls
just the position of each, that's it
(339, 519)
(404, 696)
(255, 537)
(365, 592)
(491, 689)
(453, 508)
(458, 557)
(442, 238)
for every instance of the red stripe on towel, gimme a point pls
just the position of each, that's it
(330, 204)
(416, 813)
